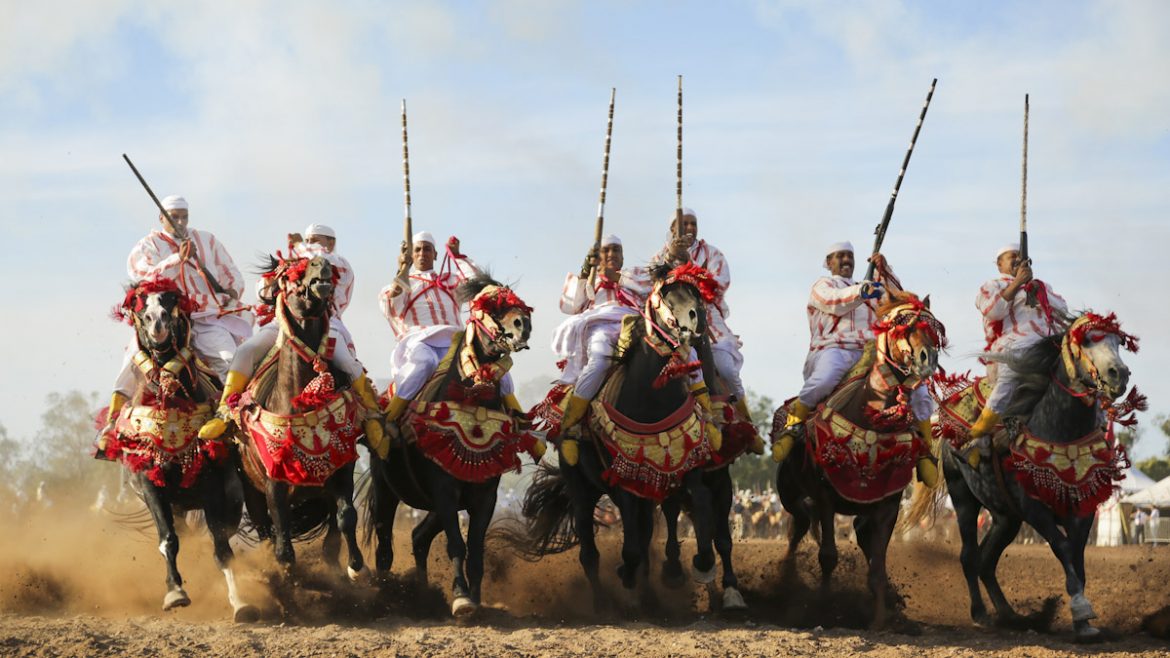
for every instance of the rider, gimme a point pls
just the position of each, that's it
(585, 341)
(685, 247)
(206, 274)
(841, 315)
(1010, 323)
(321, 240)
(423, 313)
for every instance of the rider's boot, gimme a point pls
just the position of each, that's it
(117, 401)
(703, 397)
(217, 425)
(375, 436)
(982, 426)
(798, 412)
(575, 410)
(513, 405)
(927, 465)
(757, 441)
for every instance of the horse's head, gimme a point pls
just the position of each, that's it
(501, 321)
(307, 285)
(159, 312)
(1091, 353)
(909, 337)
(677, 305)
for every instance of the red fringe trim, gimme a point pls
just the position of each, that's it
(469, 463)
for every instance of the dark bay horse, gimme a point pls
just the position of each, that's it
(457, 437)
(645, 401)
(299, 420)
(862, 445)
(154, 435)
(1060, 465)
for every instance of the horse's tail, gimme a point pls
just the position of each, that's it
(924, 506)
(548, 525)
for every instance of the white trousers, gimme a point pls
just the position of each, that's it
(823, 370)
(248, 355)
(214, 340)
(728, 362)
(601, 346)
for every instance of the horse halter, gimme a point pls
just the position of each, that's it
(699, 278)
(898, 324)
(1090, 327)
(165, 376)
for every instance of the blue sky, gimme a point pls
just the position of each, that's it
(271, 115)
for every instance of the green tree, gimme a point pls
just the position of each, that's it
(13, 468)
(1157, 468)
(61, 449)
(750, 471)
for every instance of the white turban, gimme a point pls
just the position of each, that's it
(174, 202)
(424, 236)
(687, 212)
(839, 246)
(1011, 246)
(321, 230)
(611, 239)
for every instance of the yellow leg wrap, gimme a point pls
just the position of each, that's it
(574, 411)
(538, 450)
(395, 407)
(798, 412)
(117, 401)
(973, 457)
(927, 469)
(511, 403)
(757, 441)
(214, 428)
(986, 422)
(569, 453)
(375, 433)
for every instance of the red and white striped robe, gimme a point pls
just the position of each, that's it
(430, 301)
(158, 253)
(1008, 324)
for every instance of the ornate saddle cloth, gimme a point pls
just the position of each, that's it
(862, 465)
(148, 438)
(1072, 479)
(738, 433)
(468, 441)
(305, 448)
(960, 399)
(648, 460)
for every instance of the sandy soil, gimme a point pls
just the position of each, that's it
(84, 584)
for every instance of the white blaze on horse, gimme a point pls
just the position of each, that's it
(1051, 463)
(154, 434)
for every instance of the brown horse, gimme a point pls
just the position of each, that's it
(300, 419)
(154, 435)
(862, 445)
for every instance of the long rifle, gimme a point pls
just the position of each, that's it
(880, 231)
(171, 223)
(1029, 289)
(678, 213)
(597, 229)
(407, 223)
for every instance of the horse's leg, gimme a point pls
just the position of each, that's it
(157, 502)
(672, 573)
(790, 498)
(967, 508)
(631, 540)
(221, 527)
(421, 538)
(445, 492)
(827, 553)
(1042, 519)
(383, 507)
(278, 510)
(880, 529)
(721, 496)
(480, 511)
(648, 600)
(704, 517)
(1078, 530)
(340, 484)
(331, 544)
(1001, 534)
(584, 498)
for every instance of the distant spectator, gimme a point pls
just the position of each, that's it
(1152, 524)
(1139, 525)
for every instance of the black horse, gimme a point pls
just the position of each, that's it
(868, 485)
(155, 435)
(559, 505)
(431, 468)
(1065, 379)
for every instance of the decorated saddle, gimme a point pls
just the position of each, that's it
(648, 460)
(738, 433)
(457, 433)
(150, 437)
(960, 399)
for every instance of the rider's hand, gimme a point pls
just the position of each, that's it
(453, 245)
(1023, 274)
(879, 262)
(294, 238)
(680, 246)
(591, 261)
(871, 290)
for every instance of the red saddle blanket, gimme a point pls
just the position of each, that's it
(1072, 479)
(472, 443)
(147, 439)
(304, 449)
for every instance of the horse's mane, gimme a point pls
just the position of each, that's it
(1034, 366)
(473, 286)
(660, 271)
(894, 299)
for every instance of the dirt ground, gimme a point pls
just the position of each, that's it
(84, 584)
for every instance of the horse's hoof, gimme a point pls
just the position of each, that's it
(733, 600)
(176, 598)
(703, 577)
(1089, 634)
(1081, 609)
(463, 607)
(246, 614)
(358, 575)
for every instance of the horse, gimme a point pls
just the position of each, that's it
(461, 432)
(862, 445)
(154, 435)
(644, 436)
(1059, 465)
(299, 420)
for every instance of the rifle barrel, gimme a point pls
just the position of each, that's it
(408, 222)
(599, 227)
(1024, 190)
(678, 215)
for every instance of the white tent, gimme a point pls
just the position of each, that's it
(1157, 494)
(1111, 520)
